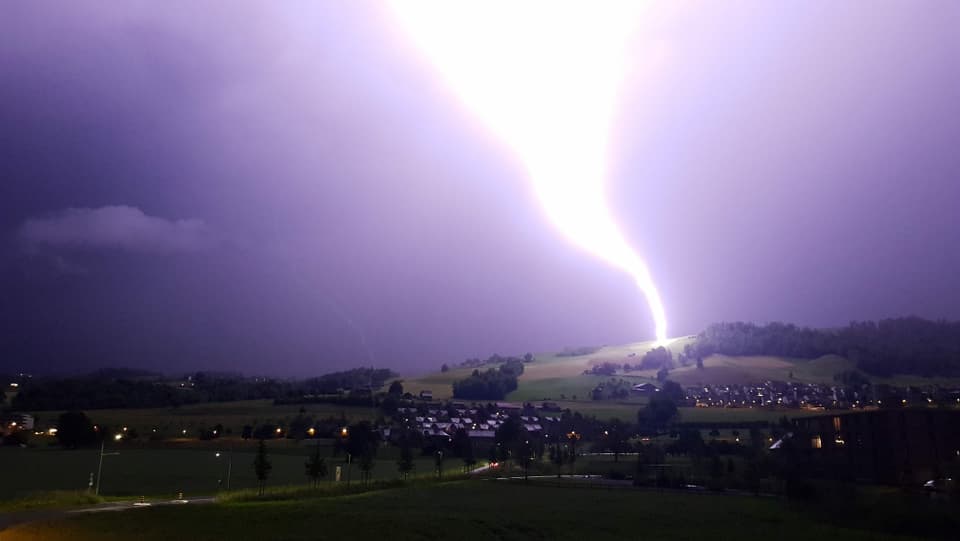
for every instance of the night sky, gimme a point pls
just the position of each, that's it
(289, 188)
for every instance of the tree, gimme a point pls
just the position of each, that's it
(556, 457)
(396, 388)
(673, 391)
(438, 461)
(74, 430)
(658, 413)
(616, 435)
(262, 466)
(247, 432)
(444, 368)
(316, 467)
(525, 455)
(662, 374)
(405, 464)
(528, 358)
(699, 363)
(366, 466)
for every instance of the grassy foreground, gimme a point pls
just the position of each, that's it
(461, 510)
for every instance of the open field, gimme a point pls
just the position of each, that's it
(194, 417)
(146, 471)
(561, 379)
(466, 510)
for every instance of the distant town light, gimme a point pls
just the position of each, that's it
(117, 437)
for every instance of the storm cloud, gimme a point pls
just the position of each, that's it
(117, 227)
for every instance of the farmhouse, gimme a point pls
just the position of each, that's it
(644, 389)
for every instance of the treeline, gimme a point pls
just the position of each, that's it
(891, 346)
(97, 391)
(89, 393)
(491, 384)
(494, 359)
(355, 378)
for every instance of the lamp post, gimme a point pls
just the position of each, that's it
(345, 434)
(103, 443)
(229, 465)
(573, 437)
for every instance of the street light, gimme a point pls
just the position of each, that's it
(344, 433)
(103, 442)
(229, 465)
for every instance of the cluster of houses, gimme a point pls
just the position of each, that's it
(780, 394)
(440, 424)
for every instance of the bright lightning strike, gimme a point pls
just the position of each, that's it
(544, 76)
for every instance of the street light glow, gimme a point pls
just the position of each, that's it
(544, 76)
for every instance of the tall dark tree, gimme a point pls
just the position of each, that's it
(396, 387)
(405, 464)
(658, 413)
(316, 467)
(74, 429)
(262, 466)
(438, 459)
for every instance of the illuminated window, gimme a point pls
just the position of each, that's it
(836, 424)
(816, 442)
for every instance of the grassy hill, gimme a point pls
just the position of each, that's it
(560, 378)
(466, 510)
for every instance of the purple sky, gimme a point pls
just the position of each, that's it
(293, 190)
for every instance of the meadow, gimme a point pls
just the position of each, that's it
(475, 509)
(141, 470)
(561, 378)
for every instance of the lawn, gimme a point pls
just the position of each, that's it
(464, 510)
(148, 471)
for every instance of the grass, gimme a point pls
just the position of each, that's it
(146, 471)
(462, 510)
(50, 500)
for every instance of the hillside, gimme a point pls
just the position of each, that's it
(560, 378)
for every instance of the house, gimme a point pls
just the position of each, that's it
(893, 446)
(426, 394)
(644, 389)
(550, 406)
(509, 407)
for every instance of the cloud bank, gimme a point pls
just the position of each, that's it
(117, 227)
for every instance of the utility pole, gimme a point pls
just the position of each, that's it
(229, 466)
(103, 442)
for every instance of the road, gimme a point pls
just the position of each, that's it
(19, 517)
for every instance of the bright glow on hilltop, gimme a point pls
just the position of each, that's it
(544, 76)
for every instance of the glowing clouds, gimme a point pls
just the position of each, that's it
(544, 76)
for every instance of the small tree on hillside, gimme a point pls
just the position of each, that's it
(316, 467)
(366, 466)
(405, 464)
(262, 466)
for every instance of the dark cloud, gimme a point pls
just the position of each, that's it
(117, 227)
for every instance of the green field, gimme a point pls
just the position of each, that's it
(561, 379)
(138, 470)
(171, 422)
(468, 510)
